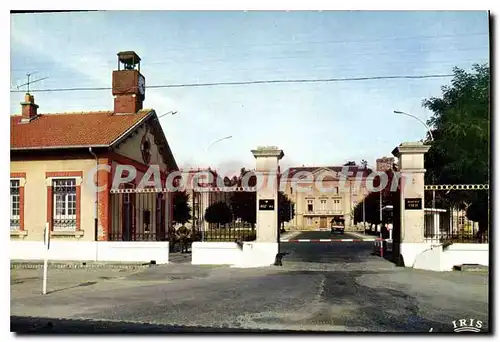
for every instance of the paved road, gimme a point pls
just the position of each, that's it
(337, 253)
(321, 287)
(324, 235)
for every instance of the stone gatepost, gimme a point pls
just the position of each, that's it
(410, 235)
(263, 251)
(267, 168)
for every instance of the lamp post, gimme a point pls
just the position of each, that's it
(208, 200)
(172, 112)
(218, 140)
(432, 139)
(417, 118)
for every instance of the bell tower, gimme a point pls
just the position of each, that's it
(129, 85)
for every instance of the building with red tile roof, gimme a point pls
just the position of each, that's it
(58, 159)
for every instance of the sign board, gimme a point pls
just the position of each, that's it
(413, 203)
(266, 204)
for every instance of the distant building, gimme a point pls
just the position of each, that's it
(315, 209)
(385, 163)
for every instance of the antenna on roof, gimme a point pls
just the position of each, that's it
(27, 84)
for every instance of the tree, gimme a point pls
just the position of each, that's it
(372, 200)
(182, 210)
(286, 209)
(350, 163)
(244, 207)
(219, 213)
(460, 151)
(244, 204)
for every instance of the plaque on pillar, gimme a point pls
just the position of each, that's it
(413, 204)
(266, 204)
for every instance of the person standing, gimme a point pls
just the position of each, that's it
(183, 234)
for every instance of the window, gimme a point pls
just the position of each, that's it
(323, 204)
(309, 221)
(310, 206)
(15, 205)
(336, 205)
(64, 205)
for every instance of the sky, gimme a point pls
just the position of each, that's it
(316, 124)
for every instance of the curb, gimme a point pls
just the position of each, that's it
(327, 240)
(289, 235)
(69, 265)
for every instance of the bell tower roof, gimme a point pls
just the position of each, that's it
(129, 59)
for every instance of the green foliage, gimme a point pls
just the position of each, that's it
(461, 122)
(286, 208)
(372, 201)
(244, 204)
(219, 213)
(460, 152)
(182, 211)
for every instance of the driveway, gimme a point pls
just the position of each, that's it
(320, 287)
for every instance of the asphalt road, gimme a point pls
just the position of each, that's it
(324, 235)
(336, 287)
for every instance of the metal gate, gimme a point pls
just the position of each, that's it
(138, 214)
(457, 213)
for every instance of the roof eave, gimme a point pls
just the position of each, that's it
(55, 147)
(131, 129)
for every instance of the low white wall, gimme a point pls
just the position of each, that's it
(59, 250)
(410, 251)
(258, 254)
(429, 259)
(215, 253)
(133, 251)
(250, 254)
(434, 257)
(465, 253)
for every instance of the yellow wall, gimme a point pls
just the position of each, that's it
(35, 195)
(131, 148)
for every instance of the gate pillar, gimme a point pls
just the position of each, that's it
(409, 237)
(264, 250)
(267, 169)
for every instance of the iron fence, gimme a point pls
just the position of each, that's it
(138, 216)
(235, 231)
(446, 213)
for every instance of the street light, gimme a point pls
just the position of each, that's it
(416, 117)
(432, 139)
(216, 141)
(168, 113)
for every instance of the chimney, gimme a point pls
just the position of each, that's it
(29, 108)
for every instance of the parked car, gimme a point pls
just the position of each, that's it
(337, 226)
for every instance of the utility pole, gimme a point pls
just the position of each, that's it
(364, 218)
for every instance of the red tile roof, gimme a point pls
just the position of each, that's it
(72, 129)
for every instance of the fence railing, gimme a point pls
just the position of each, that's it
(138, 216)
(229, 233)
(115, 236)
(446, 213)
(453, 226)
(457, 237)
